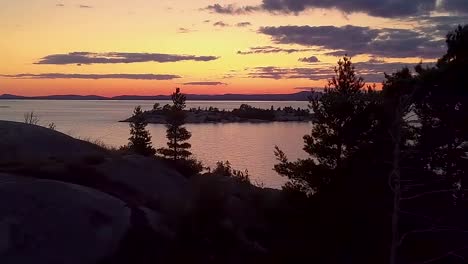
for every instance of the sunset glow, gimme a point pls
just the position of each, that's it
(227, 48)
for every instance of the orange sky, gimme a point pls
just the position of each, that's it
(34, 29)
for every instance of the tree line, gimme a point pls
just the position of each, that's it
(386, 177)
(387, 170)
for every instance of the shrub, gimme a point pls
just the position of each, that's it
(225, 169)
(31, 118)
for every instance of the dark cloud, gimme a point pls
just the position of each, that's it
(354, 40)
(118, 57)
(376, 60)
(277, 73)
(377, 8)
(85, 6)
(455, 6)
(231, 9)
(437, 26)
(372, 71)
(312, 59)
(243, 24)
(220, 24)
(205, 83)
(93, 76)
(270, 49)
(60, 5)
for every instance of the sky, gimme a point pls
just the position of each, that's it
(148, 47)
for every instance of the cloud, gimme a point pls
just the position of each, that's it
(205, 83)
(243, 24)
(377, 8)
(231, 9)
(312, 59)
(154, 77)
(270, 49)
(220, 24)
(456, 6)
(85, 6)
(437, 26)
(372, 71)
(354, 40)
(60, 5)
(278, 73)
(308, 88)
(223, 24)
(184, 30)
(118, 57)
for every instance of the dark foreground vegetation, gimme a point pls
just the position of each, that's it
(245, 113)
(385, 183)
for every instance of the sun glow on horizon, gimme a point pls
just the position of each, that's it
(36, 29)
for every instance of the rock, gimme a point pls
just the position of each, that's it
(44, 221)
(152, 179)
(24, 142)
(44, 152)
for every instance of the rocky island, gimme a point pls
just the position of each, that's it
(245, 113)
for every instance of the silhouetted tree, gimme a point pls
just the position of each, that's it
(31, 118)
(52, 126)
(344, 176)
(399, 93)
(177, 134)
(340, 122)
(157, 106)
(443, 109)
(140, 138)
(432, 203)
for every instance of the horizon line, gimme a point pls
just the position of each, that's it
(157, 95)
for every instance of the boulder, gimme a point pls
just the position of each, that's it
(45, 153)
(45, 221)
(24, 142)
(164, 187)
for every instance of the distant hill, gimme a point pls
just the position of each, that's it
(70, 97)
(11, 97)
(53, 97)
(300, 96)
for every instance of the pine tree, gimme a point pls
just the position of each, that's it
(177, 134)
(341, 122)
(140, 138)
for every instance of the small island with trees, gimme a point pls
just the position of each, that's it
(245, 113)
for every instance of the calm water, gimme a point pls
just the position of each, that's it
(246, 146)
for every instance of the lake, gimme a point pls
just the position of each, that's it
(246, 145)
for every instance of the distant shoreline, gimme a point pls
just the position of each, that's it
(300, 97)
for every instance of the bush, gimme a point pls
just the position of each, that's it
(249, 112)
(31, 118)
(225, 169)
(186, 167)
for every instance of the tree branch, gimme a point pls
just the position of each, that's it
(428, 193)
(444, 255)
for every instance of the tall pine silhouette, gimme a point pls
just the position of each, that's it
(339, 123)
(140, 138)
(176, 133)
